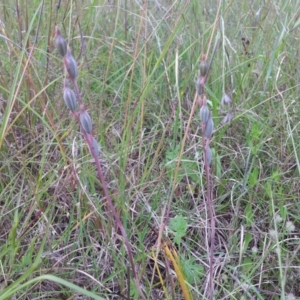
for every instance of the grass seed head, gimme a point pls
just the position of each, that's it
(272, 233)
(254, 250)
(290, 227)
(278, 218)
(290, 296)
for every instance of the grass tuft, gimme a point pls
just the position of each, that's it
(138, 76)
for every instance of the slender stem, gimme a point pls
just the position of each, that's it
(109, 200)
(205, 145)
(90, 141)
(77, 91)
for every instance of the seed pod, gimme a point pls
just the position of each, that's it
(203, 68)
(85, 121)
(71, 65)
(209, 155)
(60, 43)
(70, 99)
(209, 128)
(204, 113)
(95, 147)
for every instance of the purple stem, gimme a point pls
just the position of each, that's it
(89, 141)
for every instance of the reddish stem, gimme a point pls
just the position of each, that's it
(109, 200)
(205, 144)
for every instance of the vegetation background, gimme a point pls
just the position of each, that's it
(138, 63)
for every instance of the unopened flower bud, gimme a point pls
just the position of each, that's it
(85, 121)
(204, 113)
(200, 85)
(71, 65)
(226, 100)
(70, 99)
(227, 118)
(203, 68)
(209, 155)
(60, 43)
(209, 128)
(94, 148)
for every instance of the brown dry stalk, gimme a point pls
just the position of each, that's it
(159, 274)
(173, 257)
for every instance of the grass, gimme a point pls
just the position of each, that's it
(138, 63)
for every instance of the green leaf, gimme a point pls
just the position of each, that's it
(249, 214)
(9, 291)
(134, 293)
(192, 270)
(247, 264)
(253, 177)
(218, 164)
(190, 169)
(179, 226)
(171, 159)
(283, 211)
(248, 239)
(255, 132)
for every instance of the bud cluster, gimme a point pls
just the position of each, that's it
(205, 114)
(69, 96)
(226, 106)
